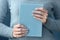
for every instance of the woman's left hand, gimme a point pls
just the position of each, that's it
(40, 14)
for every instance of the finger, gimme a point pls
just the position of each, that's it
(21, 35)
(38, 16)
(23, 29)
(22, 25)
(17, 29)
(43, 20)
(20, 31)
(19, 26)
(17, 36)
(38, 12)
(24, 34)
(41, 9)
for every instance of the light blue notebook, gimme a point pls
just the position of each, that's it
(26, 18)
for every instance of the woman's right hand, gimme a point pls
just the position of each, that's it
(19, 31)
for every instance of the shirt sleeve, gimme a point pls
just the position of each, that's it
(5, 30)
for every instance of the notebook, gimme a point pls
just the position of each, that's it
(34, 26)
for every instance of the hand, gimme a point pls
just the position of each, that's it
(40, 14)
(19, 31)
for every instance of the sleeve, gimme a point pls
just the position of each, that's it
(5, 30)
(52, 23)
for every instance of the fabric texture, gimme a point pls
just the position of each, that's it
(9, 14)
